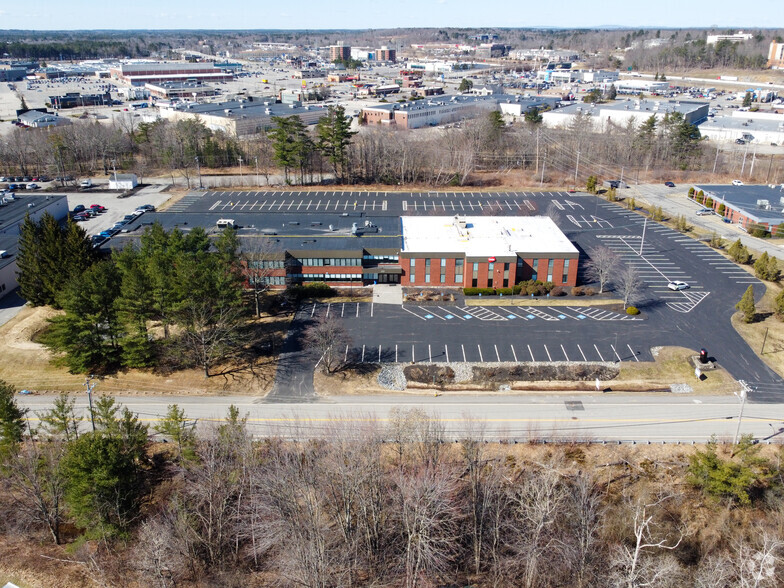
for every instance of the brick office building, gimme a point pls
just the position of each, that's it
(485, 252)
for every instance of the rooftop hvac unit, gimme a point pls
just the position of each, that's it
(3, 253)
(763, 204)
(227, 110)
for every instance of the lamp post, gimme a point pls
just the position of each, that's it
(742, 395)
(198, 170)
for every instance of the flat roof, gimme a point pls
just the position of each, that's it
(759, 202)
(646, 107)
(257, 107)
(746, 125)
(13, 213)
(485, 236)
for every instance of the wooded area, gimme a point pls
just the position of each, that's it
(400, 503)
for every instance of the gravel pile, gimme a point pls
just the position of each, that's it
(681, 389)
(463, 371)
(391, 376)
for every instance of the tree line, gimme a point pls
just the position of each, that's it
(175, 299)
(399, 503)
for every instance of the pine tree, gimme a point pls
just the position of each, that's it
(178, 429)
(739, 253)
(334, 137)
(61, 419)
(746, 305)
(12, 422)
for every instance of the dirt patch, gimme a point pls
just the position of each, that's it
(767, 330)
(28, 365)
(437, 375)
(546, 372)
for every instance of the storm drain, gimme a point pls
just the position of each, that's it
(574, 405)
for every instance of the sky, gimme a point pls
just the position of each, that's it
(381, 14)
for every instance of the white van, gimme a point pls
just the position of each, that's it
(224, 223)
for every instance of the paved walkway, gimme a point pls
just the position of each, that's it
(388, 294)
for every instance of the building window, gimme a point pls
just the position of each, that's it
(475, 276)
(535, 269)
(550, 270)
(506, 275)
(427, 270)
(443, 270)
(490, 267)
(412, 272)
(566, 271)
(459, 271)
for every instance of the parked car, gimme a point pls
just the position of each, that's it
(3, 179)
(27, 179)
(32, 186)
(105, 234)
(129, 217)
(13, 187)
(146, 208)
(737, 183)
(704, 211)
(79, 208)
(740, 141)
(98, 208)
(86, 184)
(82, 216)
(669, 184)
(678, 286)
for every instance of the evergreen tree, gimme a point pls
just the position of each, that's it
(780, 305)
(533, 116)
(291, 145)
(88, 335)
(465, 85)
(12, 421)
(747, 100)
(612, 93)
(134, 309)
(334, 137)
(746, 305)
(61, 419)
(178, 429)
(739, 253)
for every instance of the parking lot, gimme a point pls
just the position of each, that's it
(695, 317)
(116, 208)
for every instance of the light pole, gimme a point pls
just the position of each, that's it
(198, 170)
(90, 387)
(256, 159)
(742, 395)
(240, 158)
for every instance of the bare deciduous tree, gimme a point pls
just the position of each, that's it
(602, 262)
(259, 255)
(630, 284)
(329, 338)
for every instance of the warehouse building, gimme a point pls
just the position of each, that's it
(415, 115)
(138, 74)
(187, 90)
(246, 116)
(621, 112)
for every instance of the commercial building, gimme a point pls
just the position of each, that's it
(485, 251)
(776, 55)
(339, 52)
(738, 37)
(386, 54)
(518, 106)
(187, 90)
(38, 119)
(621, 112)
(242, 117)
(748, 205)
(138, 74)
(491, 50)
(12, 74)
(751, 127)
(354, 246)
(12, 213)
(414, 115)
(77, 100)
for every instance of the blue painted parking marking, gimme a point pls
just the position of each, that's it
(581, 316)
(530, 316)
(511, 316)
(428, 316)
(562, 316)
(449, 316)
(467, 316)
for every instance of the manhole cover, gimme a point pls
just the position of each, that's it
(574, 405)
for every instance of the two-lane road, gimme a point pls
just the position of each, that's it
(580, 418)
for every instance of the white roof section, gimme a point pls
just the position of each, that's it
(485, 236)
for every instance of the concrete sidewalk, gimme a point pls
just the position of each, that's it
(388, 294)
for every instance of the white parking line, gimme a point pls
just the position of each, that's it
(599, 352)
(514, 353)
(464, 355)
(313, 311)
(446, 351)
(342, 309)
(395, 352)
(482, 359)
(531, 352)
(498, 357)
(564, 352)
(615, 352)
(548, 353)
(429, 354)
(581, 352)
(404, 308)
(634, 355)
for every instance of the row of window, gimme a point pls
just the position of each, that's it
(329, 261)
(380, 257)
(269, 280)
(267, 264)
(326, 277)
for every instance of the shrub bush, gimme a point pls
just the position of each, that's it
(505, 291)
(516, 289)
(691, 192)
(557, 291)
(478, 291)
(297, 292)
(577, 291)
(588, 291)
(632, 310)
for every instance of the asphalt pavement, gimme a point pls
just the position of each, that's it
(594, 418)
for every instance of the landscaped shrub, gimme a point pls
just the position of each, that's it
(516, 289)
(478, 291)
(759, 231)
(297, 292)
(505, 291)
(577, 291)
(588, 291)
(632, 310)
(691, 192)
(721, 210)
(557, 291)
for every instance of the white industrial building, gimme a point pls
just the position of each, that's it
(638, 86)
(738, 37)
(756, 128)
(621, 112)
(38, 119)
(123, 181)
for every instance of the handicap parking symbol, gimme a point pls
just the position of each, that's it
(467, 316)
(562, 316)
(428, 316)
(449, 316)
(530, 316)
(511, 316)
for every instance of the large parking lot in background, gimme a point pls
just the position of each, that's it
(116, 207)
(694, 318)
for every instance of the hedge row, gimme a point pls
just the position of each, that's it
(528, 288)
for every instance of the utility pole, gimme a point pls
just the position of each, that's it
(642, 241)
(742, 395)
(198, 170)
(576, 167)
(544, 163)
(621, 180)
(240, 158)
(770, 165)
(90, 387)
(716, 160)
(537, 150)
(256, 159)
(743, 166)
(753, 159)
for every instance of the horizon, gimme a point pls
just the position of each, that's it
(353, 15)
